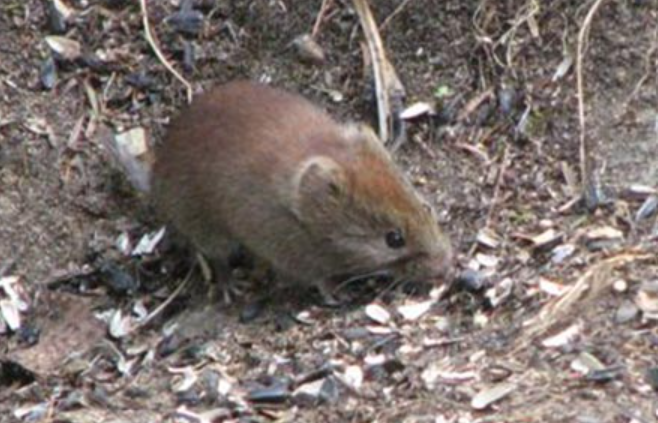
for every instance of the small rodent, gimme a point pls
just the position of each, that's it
(320, 201)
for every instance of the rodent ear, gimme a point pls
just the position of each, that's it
(318, 184)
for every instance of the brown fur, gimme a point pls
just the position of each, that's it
(252, 165)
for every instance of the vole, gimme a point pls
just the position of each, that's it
(320, 201)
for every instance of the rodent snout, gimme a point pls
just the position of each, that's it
(435, 268)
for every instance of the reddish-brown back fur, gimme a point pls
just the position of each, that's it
(225, 173)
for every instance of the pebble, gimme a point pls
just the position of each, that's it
(626, 312)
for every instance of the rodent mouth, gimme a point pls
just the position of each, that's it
(426, 269)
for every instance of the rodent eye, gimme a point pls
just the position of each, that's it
(394, 239)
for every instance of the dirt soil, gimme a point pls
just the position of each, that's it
(553, 318)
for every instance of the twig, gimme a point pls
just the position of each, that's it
(387, 84)
(318, 20)
(585, 164)
(495, 197)
(586, 289)
(166, 302)
(393, 14)
(499, 182)
(151, 40)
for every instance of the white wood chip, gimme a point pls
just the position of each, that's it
(133, 141)
(188, 377)
(148, 243)
(414, 311)
(415, 110)
(487, 260)
(491, 395)
(562, 338)
(488, 238)
(123, 244)
(552, 288)
(605, 232)
(10, 314)
(65, 47)
(353, 376)
(119, 326)
(545, 237)
(378, 313)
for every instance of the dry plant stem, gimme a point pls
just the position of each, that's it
(151, 40)
(499, 182)
(585, 161)
(396, 12)
(321, 14)
(587, 288)
(378, 57)
(166, 302)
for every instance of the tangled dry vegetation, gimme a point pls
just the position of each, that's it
(509, 106)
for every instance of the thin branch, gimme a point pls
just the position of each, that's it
(396, 12)
(497, 188)
(151, 40)
(388, 87)
(376, 49)
(321, 14)
(585, 171)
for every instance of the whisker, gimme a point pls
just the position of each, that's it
(395, 284)
(352, 279)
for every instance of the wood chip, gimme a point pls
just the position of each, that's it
(378, 313)
(491, 395)
(416, 110)
(64, 48)
(563, 338)
(412, 312)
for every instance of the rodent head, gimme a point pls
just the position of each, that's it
(366, 216)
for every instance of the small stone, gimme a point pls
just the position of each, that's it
(626, 312)
(276, 393)
(562, 252)
(471, 280)
(251, 311)
(48, 74)
(652, 377)
(308, 50)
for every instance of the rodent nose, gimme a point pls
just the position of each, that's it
(442, 266)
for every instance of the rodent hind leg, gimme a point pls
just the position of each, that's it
(327, 289)
(216, 269)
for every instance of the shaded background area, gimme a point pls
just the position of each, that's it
(63, 206)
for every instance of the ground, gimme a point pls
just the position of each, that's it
(552, 319)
